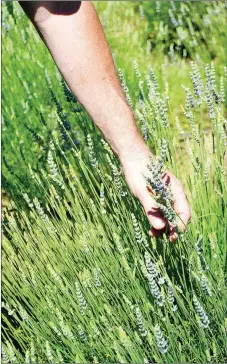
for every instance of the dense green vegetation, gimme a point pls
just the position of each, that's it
(143, 29)
(82, 281)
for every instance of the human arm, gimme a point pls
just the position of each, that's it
(74, 36)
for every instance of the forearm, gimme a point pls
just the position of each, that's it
(80, 50)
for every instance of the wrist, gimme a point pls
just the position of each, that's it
(134, 151)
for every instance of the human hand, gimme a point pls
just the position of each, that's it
(134, 167)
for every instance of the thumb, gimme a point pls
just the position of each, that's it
(154, 215)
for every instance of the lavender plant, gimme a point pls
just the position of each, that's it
(82, 281)
(160, 187)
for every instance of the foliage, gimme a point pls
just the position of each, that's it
(82, 281)
(189, 29)
(28, 71)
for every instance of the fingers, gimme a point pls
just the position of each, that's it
(156, 219)
(155, 233)
(154, 216)
(173, 236)
(182, 208)
(170, 232)
(181, 205)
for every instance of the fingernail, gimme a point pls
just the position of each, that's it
(159, 224)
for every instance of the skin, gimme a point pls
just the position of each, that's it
(75, 38)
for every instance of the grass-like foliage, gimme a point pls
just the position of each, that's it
(82, 281)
